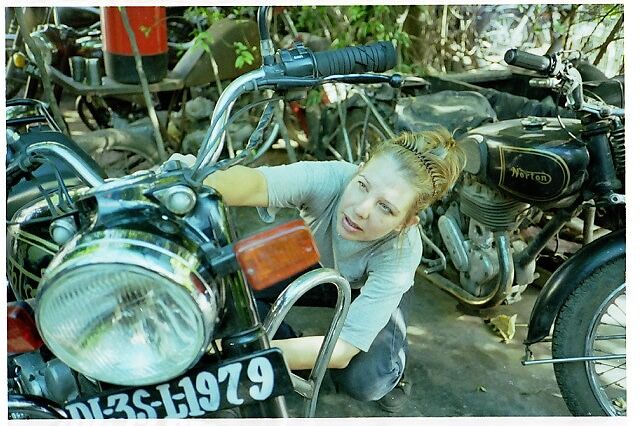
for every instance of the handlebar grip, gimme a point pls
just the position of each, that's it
(377, 57)
(542, 64)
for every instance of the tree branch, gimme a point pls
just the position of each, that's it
(610, 38)
(609, 12)
(44, 75)
(145, 84)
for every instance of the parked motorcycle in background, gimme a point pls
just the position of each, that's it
(168, 326)
(84, 56)
(538, 171)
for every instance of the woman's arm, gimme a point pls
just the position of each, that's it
(240, 186)
(301, 352)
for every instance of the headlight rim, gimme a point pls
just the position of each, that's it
(152, 253)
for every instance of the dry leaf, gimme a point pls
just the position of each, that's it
(505, 325)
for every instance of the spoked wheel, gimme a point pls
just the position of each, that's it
(121, 162)
(592, 323)
(117, 154)
(93, 115)
(364, 134)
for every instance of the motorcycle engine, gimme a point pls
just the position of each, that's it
(467, 231)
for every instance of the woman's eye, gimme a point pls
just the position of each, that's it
(385, 208)
(362, 185)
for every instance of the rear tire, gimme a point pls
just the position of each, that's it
(592, 322)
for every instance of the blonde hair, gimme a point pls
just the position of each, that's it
(429, 160)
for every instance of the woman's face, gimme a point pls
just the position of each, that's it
(375, 202)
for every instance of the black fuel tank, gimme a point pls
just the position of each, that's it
(533, 159)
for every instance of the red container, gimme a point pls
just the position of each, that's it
(149, 25)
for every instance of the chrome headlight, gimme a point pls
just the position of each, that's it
(128, 307)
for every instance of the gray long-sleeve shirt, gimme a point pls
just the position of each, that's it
(384, 269)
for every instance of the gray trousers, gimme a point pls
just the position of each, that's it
(371, 375)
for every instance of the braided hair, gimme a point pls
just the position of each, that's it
(429, 160)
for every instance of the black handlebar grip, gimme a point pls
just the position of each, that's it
(377, 57)
(542, 64)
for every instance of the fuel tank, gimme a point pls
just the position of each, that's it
(534, 159)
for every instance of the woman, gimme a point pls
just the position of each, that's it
(364, 222)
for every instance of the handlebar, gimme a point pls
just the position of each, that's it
(297, 67)
(377, 57)
(300, 62)
(563, 78)
(544, 64)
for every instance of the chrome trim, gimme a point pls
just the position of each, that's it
(310, 388)
(35, 407)
(573, 359)
(178, 199)
(154, 255)
(210, 150)
(56, 149)
(499, 292)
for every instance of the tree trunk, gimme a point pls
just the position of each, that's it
(415, 26)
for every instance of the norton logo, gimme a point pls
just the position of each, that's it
(539, 177)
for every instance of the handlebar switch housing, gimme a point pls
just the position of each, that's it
(297, 61)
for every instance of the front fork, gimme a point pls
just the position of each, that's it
(603, 179)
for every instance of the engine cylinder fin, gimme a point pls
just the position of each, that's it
(490, 208)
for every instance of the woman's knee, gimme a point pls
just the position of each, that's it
(366, 384)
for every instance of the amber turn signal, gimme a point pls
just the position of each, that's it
(22, 334)
(274, 255)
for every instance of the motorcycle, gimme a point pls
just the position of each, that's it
(114, 107)
(537, 171)
(145, 307)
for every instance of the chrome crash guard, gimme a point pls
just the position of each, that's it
(309, 388)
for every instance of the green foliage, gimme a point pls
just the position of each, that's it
(243, 54)
(211, 15)
(208, 14)
(444, 38)
(203, 40)
(314, 97)
(349, 25)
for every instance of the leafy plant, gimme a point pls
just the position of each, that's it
(243, 54)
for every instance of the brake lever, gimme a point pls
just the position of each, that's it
(394, 80)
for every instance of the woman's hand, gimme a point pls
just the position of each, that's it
(240, 186)
(186, 160)
(301, 352)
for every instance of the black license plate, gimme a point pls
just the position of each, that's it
(240, 381)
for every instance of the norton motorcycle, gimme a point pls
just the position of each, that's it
(133, 296)
(541, 173)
